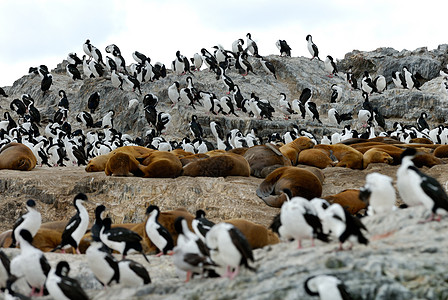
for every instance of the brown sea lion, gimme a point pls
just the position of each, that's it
(300, 181)
(316, 157)
(257, 235)
(265, 156)
(160, 164)
(122, 164)
(223, 165)
(349, 199)
(98, 164)
(347, 156)
(376, 155)
(292, 149)
(16, 156)
(441, 151)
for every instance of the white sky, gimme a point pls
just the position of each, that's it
(34, 32)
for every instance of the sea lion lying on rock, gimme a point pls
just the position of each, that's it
(300, 181)
(16, 156)
(222, 165)
(266, 156)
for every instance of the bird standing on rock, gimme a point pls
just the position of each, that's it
(415, 187)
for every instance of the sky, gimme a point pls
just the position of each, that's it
(35, 32)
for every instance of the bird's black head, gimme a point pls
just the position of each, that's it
(364, 194)
(178, 224)
(200, 214)
(107, 222)
(151, 208)
(62, 268)
(80, 197)
(26, 235)
(308, 37)
(408, 152)
(31, 203)
(98, 210)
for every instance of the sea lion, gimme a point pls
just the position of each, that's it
(257, 235)
(316, 157)
(441, 151)
(16, 156)
(194, 157)
(265, 156)
(223, 165)
(98, 164)
(376, 155)
(300, 181)
(122, 164)
(349, 199)
(160, 164)
(348, 157)
(292, 149)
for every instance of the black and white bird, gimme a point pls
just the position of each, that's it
(163, 121)
(30, 264)
(330, 66)
(201, 225)
(284, 48)
(312, 48)
(191, 254)
(378, 193)
(344, 226)
(63, 101)
(410, 79)
(227, 106)
(333, 116)
(103, 264)
(285, 106)
(30, 221)
(93, 102)
(195, 128)
(98, 224)
(196, 61)
(306, 95)
(173, 93)
(299, 220)
(228, 82)
(237, 46)
(73, 72)
(336, 93)
(351, 79)
(85, 118)
(121, 239)
(108, 119)
(327, 287)
(76, 226)
(367, 85)
(421, 122)
(311, 109)
(5, 270)
(46, 82)
(415, 187)
(229, 248)
(267, 65)
(18, 106)
(132, 273)
(251, 45)
(72, 58)
(62, 287)
(380, 83)
(398, 79)
(157, 233)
